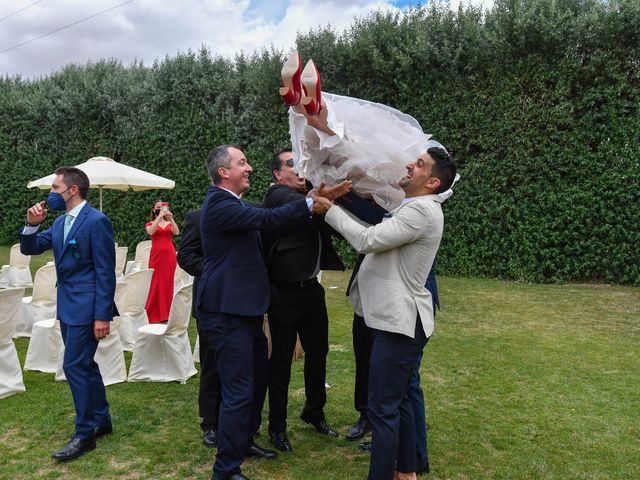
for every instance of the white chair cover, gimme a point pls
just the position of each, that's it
(163, 352)
(196, 350)
(45, 346)
(180, 279)
(109, 357)
(121, 260)
(141, 260)
(17, 273)
(131, 305)
(10, 371)
(42, 304)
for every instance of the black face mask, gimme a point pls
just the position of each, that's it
(157, 211)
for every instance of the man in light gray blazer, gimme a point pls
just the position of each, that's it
(389, 293)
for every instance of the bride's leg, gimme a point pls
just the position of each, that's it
(319, 121)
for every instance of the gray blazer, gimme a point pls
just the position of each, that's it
(389, 288)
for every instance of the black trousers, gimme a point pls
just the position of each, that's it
(362, 345)
(209, 391)
(297, 309)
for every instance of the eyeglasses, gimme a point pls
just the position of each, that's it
(75, 250)
(289, 162)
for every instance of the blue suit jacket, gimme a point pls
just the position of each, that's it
(234, 279)
(86, 270)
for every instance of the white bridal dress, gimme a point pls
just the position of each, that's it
(372, 146)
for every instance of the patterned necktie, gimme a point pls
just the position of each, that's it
(68, 219)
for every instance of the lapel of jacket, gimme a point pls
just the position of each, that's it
(76, 224)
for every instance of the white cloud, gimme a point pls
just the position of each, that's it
(151, 29)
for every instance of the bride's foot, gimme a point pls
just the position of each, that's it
(310, 79)
(291, 91)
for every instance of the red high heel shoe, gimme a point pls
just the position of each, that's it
(310, 78)
(291, 92)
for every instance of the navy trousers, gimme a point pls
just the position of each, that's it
(393, 438)
(241, 357)
(417, 401)
(84, 378)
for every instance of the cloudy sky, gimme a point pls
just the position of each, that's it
(76, 31)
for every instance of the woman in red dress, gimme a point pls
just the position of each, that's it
(162, 259)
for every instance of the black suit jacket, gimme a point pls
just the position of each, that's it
(190, 252)
(293, 255)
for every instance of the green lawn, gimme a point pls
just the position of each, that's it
(521, 382)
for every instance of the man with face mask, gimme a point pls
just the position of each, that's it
(84, 254)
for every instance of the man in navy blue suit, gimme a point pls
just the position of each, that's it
(84, 254)
(233, 295)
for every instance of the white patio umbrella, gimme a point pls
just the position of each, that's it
(104, 172)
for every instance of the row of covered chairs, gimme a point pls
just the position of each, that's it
(165, 346)
(162, 352)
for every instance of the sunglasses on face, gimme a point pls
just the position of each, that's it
(288, 163)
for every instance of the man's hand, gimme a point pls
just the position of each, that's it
(331, 193)
(101, 329)
(321, 204)
(37, 214)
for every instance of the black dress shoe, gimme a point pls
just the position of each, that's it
(74, 448)
(256, 451)
(210, 438)
(320, 425)
(103, 431)
(424, 468)
(364, 446)
(280, 441)
(360, 429)
(237, 476)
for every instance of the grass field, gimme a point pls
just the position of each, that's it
(521, 382)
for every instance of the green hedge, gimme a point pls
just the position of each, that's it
(537, 99)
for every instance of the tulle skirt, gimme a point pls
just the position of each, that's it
(372, 146)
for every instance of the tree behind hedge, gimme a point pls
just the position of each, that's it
(537, 100)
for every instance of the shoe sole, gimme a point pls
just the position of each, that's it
(289, 70)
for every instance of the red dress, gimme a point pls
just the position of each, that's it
(162, 259)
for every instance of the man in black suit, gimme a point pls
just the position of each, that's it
(297, 305)
(209, 394)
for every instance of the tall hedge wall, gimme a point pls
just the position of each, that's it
(537, 100)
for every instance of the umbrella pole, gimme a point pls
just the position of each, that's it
(100, 188)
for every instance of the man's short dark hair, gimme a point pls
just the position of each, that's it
(276, 161)
(443, 168)
(74, 176)
(219, 157)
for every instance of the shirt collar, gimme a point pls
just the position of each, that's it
(75, 211)
(232, 193)
(436, 197)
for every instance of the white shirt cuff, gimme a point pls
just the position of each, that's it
(27, 230)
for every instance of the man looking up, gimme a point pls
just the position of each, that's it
(294, 259)
(389, 293)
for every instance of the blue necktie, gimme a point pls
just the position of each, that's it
(68, 219)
